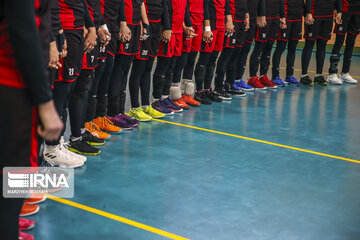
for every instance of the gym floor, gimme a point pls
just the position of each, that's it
(278, 164)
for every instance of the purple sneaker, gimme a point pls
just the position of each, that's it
(130, 120)
(121, 122)
(160, 106)
(170, 105)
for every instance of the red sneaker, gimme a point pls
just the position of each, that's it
(29, 209)
(181, 103)
(255, 83)
(25, 236)
(36, 198)
(266, 82)
(189, 100)
(26, 224)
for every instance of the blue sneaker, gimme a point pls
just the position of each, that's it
(292, 81)
(170, 105)
(242, 86)
(160, 106)
(278, 82)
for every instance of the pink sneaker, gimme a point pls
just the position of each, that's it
(25, 236)
(26, 224)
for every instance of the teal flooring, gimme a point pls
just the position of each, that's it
(209, 186)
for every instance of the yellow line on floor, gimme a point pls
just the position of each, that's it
(116, 218)
(260, 141)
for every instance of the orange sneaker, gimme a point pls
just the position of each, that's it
(106, 125)
(191, 101)
(36, 198)
(181, 103)
(95, 131)
(29, 209)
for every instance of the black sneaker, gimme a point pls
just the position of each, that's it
(306, 80)
(222, 94)
(212, 96)
(80, 146)
(230, 89)
(201, 97)
(319, 79)
(92, 140)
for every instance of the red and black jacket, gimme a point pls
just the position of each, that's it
(323, 8)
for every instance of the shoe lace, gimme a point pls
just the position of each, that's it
(106, 122)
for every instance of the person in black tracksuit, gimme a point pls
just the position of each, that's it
(25, 99)
(237, 64)
(289, 36)
(241, 21)
(318, 29)
(350, 27)
(140, 78)
(265, 38)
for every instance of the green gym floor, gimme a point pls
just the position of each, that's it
(280, 164)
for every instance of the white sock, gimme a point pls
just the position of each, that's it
(164, 96)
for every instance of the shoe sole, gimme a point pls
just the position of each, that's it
(95, 144)
(144, 120)
(247, 90)
(81, 153)
(37, 202)
(342, 79)
(32, 213)
(65, 166)
(321, 84)
(310, 84)
(176, 111)
(293, 84)
(119, 132)
(169, 114)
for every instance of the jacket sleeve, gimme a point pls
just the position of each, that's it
(25, 41)
(165, 21)
(261, 8)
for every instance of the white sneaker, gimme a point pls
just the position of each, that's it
(56, 156)
(71, 154)
(333, 79)
(346, 77)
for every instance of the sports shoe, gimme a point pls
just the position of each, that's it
(58, 156)
(92, 140)
(29, 209)
(241, 85)
(292, 81)
(120, 121)
(130, 120)
(230, 89)
(346, 77)
(160, 106)
(25, 236)
(181, 103)
(319, 79)
(170, 105)
(222, 94)
(35, 198)
(80, 146)
(26, 224)
(96, 131)
(212, 96)
(334, 79)
(306, 80)
(278, 82)
(255, 83)
(106, 125)
(266, 82)
(149, 110)
(139, 114)
(190, 101)
(73, 155)
(201, 97)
